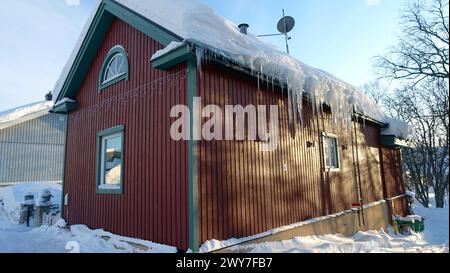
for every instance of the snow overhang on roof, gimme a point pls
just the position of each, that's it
(64, 106)
(393, 141)
(173, 21)
(24, 113)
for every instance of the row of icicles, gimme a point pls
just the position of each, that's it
(319, 93)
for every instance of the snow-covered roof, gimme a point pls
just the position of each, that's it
(216, 36)
(24, 113)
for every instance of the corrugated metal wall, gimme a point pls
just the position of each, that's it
(154, 204)
(244, 191)
(33, 150)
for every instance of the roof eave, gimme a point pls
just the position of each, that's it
(64, 107)
(187, 52)
(25, 118)
(173, 58)
(372, 120)
(393, 141)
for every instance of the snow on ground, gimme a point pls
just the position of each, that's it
(362, 242)
(13, 196)
(58, 238)
(79, 238)
(436, 222)
(434, 239)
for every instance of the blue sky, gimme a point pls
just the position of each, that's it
(339, 36)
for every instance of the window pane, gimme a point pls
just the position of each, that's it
(115, 68)
(326, 152)
(121, 65)
(113, 160)
(334, 153)
(330, 153)
(332, 147)
(109, 74)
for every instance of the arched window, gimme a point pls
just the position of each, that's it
(115, 68)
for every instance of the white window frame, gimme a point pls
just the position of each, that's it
(336, 150)
(105, 80)
(103, 137)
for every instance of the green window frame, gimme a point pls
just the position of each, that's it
(115, 52)
(102, 136)
(331, 153)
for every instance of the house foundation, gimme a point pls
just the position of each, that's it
(376, 216)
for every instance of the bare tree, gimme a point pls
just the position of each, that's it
(423, 47)
(375, 89)
(427, 162)
(420, 63)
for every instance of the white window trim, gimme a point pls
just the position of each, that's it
(331, 169)
(102, 184)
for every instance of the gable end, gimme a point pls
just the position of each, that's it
(98, 29)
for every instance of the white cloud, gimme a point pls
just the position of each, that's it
(369, 2)
(72, 2)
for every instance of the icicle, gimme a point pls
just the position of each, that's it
(273, 85)
(199, 52)
(291, 120)
(257, 77)
(300, 106)
(291, 104)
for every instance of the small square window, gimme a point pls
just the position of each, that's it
(330, 152)
(110, 161)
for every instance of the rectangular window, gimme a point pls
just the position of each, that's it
(330, 152)
(110, 161)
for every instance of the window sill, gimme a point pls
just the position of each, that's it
(118, 191)
(332, 170)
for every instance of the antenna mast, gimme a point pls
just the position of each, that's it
(286, 37)
(285, 25)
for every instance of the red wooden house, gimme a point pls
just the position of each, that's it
(124, 173)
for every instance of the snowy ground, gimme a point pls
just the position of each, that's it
(434, 239)
(16, 238)
(78, 238)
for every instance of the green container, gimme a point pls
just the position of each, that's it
(419, 225)
(401, 223)
(416, 224)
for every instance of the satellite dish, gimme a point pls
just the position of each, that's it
(286, 24)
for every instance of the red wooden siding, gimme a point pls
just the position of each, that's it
(393, 171)
(243, 191)
(393, 179)
(154, 203)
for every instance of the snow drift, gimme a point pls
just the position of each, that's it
(13, 196)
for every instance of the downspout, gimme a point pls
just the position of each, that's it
(192, 160)
(357, 172)
(64, 167)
